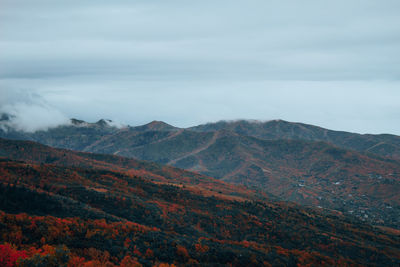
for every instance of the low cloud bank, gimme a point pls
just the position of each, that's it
(29, 113)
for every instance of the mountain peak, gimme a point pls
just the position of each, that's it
(77, 122)
(156, 126)
(5, 117)
(155, 122)
(103, 122)
(100, 123)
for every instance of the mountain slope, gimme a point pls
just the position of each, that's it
(112, 217)
(80, 135)
(308, 172)
(383, 144)
(76, 136)
(33, 152)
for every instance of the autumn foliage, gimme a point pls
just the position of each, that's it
(54, 214)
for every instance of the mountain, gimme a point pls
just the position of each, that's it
(285, 160)
(87, 209)
(310, 173)
(77, 135)
(32, 152)
(155, 126)
(382, 144)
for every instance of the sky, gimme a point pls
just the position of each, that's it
(335, 64)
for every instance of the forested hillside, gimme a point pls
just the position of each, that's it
(82, 213)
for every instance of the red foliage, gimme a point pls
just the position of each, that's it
(9, 255)
(149, 253)
(76, 261)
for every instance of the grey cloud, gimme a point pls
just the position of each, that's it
(188, 62)
(273, 40)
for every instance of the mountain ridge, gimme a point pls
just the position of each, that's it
(281, 129)
(387, 145)
(277, 157)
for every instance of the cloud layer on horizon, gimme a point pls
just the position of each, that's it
(329, 63)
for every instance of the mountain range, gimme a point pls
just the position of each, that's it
(351, 173)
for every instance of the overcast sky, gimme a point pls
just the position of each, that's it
(331, 63)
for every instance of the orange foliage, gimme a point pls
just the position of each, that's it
(282, 251)
(182, 251)
(128, 261)
(201, 248)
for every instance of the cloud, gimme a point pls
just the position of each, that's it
(334, 64)
(29, 113)
(253, 40)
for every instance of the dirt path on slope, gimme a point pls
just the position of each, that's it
(176, 133)
(198, 150)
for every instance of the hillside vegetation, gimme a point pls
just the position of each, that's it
(355, 174)
(98, 210)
